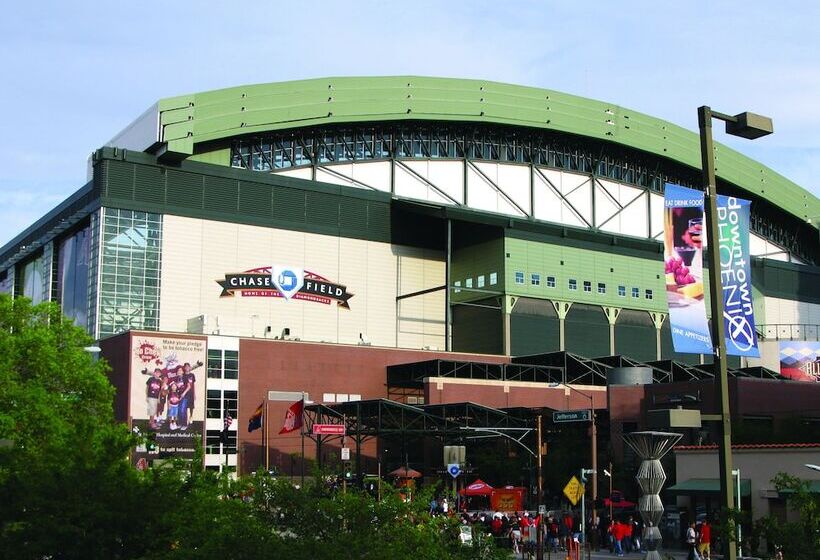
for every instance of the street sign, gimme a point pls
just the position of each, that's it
(328, 429)
(345, 454)
(574, 490)
(572, 416)
(454, 469)
(287, 396)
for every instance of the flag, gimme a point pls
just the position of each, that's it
(293, 417)
(255, 421)
(227, 425)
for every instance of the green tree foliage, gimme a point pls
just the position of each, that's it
(67, 489)
(800, 538)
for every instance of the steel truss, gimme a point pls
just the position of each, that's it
(364, 420)
(466, 142)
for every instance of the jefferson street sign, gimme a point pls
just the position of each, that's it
(571, 416)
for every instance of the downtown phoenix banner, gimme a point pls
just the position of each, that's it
(684, 241)
(736, 277)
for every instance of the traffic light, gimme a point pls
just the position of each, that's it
(583, 477)
(348, 471)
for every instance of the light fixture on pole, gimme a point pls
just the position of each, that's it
(750, 126)
(608, 474)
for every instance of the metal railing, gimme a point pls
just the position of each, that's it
(779, 331)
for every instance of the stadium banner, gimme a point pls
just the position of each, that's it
(166, 404)
(683, 254)
(800, 360)
(736, 276)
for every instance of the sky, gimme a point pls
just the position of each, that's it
(76, 73)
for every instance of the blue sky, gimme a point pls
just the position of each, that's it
(73, 76)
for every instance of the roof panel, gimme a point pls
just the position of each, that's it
(225, 113)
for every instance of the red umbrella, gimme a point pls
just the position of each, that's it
(478, 488)
(619, 504)
(404, 472)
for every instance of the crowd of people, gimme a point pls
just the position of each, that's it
(561, 531)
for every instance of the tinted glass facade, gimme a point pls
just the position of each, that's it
(129, 271)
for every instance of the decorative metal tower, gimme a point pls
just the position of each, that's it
(651, 446)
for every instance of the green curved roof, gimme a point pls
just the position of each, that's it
(213, 115)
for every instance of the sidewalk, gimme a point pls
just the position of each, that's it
(605, 555)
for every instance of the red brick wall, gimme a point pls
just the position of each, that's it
(316, 369)
(116, 351)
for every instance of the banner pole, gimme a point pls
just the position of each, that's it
(266, 436)
(302, 431)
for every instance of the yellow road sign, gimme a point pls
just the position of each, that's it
(574, 490)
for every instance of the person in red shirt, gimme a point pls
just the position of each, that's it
(705, 540)
(569, 524)
(617, 535)
(626, 545)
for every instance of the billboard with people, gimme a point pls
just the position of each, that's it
(167, 395)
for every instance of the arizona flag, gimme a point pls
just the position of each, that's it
(293, 417)
(255, 421)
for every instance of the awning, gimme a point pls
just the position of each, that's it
(707, 486)
(814, 488)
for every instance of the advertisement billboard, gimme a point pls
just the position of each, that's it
(684, 236)
(684, 242)
(800, 360)
(167, 400)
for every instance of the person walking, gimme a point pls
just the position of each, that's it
(691, 542)
(705, 540)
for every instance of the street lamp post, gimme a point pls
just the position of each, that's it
(750, 126)
(539, 528)
(593, 435)
(736, 473)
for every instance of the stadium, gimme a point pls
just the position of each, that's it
(420, 255)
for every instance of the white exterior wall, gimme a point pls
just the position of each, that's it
(760, 466)
(197, 253)
(222, 343)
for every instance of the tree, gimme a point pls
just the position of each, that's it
(798, 539)
(65, 478)
(68, 490)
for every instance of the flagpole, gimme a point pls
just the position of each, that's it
(302, 431)
(265, 436)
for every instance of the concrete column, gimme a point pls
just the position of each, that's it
(561, 308)
(506, 325)
(612, 316)
(657, 319)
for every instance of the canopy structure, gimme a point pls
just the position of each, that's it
(707, 486)
(477, 488)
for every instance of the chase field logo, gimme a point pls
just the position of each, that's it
(285, 282)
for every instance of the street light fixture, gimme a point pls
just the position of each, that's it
(750, 126)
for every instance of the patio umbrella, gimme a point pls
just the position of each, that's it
(404, 472)
(620, 504)
(478, 488)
